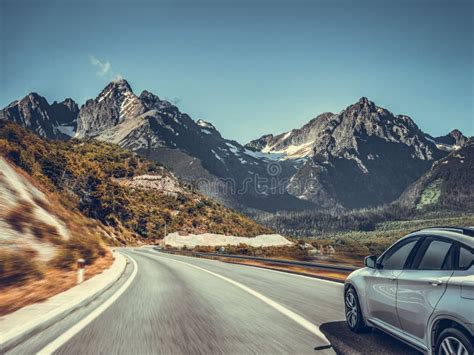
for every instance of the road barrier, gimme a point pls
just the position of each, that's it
(330, 267)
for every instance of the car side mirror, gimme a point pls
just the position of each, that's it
(371, 262)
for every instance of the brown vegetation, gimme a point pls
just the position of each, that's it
(54, 281)
(85, 176)
(19, 217)
(326, 251)
(17, 266)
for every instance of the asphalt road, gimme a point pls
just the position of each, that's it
(183, 305)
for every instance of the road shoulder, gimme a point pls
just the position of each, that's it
(25, 322)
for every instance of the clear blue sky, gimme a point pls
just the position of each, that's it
(249, 67)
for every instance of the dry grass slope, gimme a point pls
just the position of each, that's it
(90, 177)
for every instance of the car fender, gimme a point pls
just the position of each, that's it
(437, 316)
(356, 280)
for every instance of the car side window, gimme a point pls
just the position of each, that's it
(436, 256)
(466, 258)
(396, 257)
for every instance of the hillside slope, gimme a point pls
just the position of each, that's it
(135, 197)
(447, 185)
(40, 241)
(32, 220)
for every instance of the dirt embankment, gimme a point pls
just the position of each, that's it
(41, 241)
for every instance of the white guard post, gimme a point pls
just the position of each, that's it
(80, 270)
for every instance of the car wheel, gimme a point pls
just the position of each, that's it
(453, 341)
(354, 319)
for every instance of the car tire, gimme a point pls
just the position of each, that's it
(451, 339)
(354, 318)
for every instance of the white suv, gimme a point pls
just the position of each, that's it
(420, 290)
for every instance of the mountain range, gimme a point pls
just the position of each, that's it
(362, 156)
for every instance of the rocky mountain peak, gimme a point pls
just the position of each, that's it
(115, 103)
(459, 139)
(458, 136)
(453, 140)
(65, 113)
(260, 143)
(121, 84)
(34, 99)
(34, 96)
(364, 115)
(71, 104)
(67, 103)
(31, 102)
(149, 99)
(115, 89)
(147, 95)
(205, 124)
(56, 121)
(365, 103)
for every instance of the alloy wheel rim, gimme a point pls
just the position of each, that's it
(351, 309)
(452, 346)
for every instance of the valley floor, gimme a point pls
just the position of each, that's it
(347, 247)
(352, 245)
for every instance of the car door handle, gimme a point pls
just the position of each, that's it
(436, 282)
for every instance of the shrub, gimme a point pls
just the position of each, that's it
(19, 216)
(76, 247)
(152, 167)
(47, 232)
(65, 258)
(54, 167)
(17, 266)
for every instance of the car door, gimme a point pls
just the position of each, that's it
(422, 284)
(458, 300)
(381, 284)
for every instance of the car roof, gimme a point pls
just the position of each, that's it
(464, 235)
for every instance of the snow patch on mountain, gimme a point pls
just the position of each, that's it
(217, 155)
(67, 130)
(293, 151)
(102, 97)
(129, 104)
(205, 124)
(442, 146)
(266, 156)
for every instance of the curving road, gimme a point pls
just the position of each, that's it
(181, 305)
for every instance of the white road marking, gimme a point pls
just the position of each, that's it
(260, 268)
(312, 328)
(65, 337)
